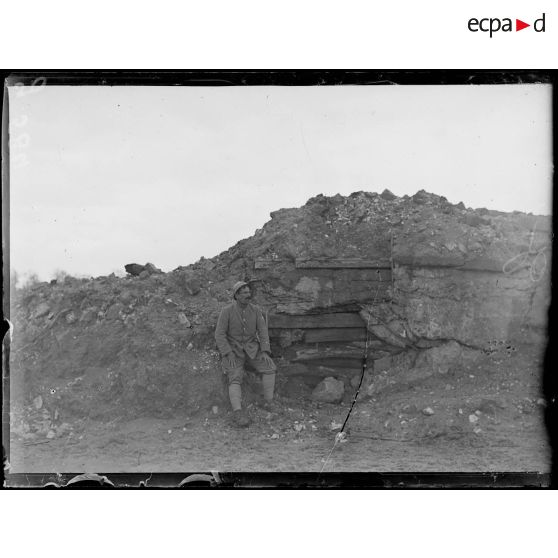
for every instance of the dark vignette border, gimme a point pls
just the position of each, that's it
(289, 480)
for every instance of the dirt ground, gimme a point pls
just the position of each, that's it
(482, 417)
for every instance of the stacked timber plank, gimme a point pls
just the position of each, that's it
(322, 342)
(316, 321)
(325, 263)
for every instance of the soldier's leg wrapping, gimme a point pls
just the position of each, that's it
(235, 396)
(268, 375)
(268, 384)
(234, 377)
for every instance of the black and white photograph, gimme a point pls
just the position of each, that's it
(281, 277)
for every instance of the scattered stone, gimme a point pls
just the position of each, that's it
(63, 429)
(475, 220)
(329, 390)
(190, 346)
(113, 312)
(149, 267)
(473, 419)
(38, 402)
(478, 413)
(70, 318)
(42, 310)
(134, 269)
(274, 436)
(333, 425)
(126, 297)
(428, 411)
(215, 409)
(341, 437)
(477, 430)
(169, 431)
(541, 402)
(489, 407)
(184, 320)
(441, 359)
(388, 195)
(51, 434)
(421, 197)
(383, 364)
(192, 286)
(89, 314)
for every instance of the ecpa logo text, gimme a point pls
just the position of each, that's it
(494, 24)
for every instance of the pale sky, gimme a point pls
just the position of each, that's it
(105, 176)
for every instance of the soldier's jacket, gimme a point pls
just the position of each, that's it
(241, 330)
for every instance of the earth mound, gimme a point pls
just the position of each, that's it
(419, 287)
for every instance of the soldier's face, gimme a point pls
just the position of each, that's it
(243, 294)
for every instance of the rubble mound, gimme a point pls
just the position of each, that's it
(416, 285)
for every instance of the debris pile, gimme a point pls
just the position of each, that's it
(421, 285)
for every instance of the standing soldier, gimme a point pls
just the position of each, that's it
(242, 337)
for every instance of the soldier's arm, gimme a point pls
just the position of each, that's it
(263, 334)
(221, 333)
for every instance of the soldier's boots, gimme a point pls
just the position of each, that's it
(241, 419)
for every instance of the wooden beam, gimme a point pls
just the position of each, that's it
(348, 363)
(340, 356)
(324, 335)
(266, 263)
(341, 263)
(298, 369)
(334, 371)
(311, 321)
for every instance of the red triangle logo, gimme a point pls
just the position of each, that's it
(519, 25)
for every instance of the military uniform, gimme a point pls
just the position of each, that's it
(242, 333)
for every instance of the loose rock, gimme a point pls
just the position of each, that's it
(184, 320)
(114, 311)
(388, 195)
(329, 390)
(134, 269)
(149, 267)
(42, 310)
(334, 425)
